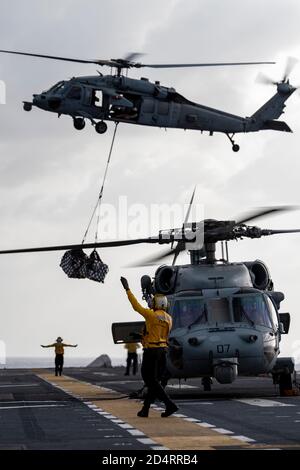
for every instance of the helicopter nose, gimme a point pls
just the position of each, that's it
(54, 103)
(37, 99)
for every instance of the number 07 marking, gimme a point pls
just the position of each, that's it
(223, 348)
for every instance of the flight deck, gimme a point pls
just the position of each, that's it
(90, 409)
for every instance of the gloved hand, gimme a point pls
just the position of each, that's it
(124, 283)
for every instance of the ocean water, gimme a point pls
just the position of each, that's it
(45, 362)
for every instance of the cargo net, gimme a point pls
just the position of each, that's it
(76, 263)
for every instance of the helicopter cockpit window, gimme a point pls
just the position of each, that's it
(187, 312)
(251, 309)
(272, 311)
(219, 310)
(57, 87)
(74, 93)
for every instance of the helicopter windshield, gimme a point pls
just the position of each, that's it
(57, 87)
(187, 312)
(252, 309)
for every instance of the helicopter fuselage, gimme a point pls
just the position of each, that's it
(139, 101)
(223, 324)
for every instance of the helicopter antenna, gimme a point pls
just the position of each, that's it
(222, 250)
(226, 248)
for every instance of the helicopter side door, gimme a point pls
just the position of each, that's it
(93, 102)
(156, 112)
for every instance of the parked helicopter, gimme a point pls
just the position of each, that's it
(226, 319)
(118, 98)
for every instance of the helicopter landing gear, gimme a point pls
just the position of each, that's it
(235, 147)
(79, 123)
(101, 127)
(285, 384)
(206, 382)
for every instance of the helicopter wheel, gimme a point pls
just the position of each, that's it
(285, 384)
(235, 147)
(27, 106)
(206, 382)
(101, 127)
(79, 123)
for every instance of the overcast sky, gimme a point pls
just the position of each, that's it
(51, 173)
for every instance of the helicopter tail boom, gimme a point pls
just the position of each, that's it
(265, 117)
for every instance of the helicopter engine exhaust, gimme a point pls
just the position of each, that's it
(259, 273)
(165, 279)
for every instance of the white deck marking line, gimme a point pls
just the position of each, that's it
(125, 426)
(244, 438)
(118, 382)
(223, 431)
(146, 440)
(19, 385)
(159, 448)
(136, 432)
(32, 401)
(185, 402)
(261, 402)
(192, 420)
(178, 386)
(105, 429)
(27, 406)
(179, 415)
(104, 374)
(206, 425)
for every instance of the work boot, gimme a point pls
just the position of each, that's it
(143, 413)
(170, 409)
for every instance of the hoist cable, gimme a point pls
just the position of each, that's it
(98, 203)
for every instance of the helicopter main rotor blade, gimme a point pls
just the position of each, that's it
(181, 246)
(109, 63)
(152, 260)
(209, 64)
(276, 232)
(127, 62)
(107, 244)
(257, 213)
(132, 56)
(189, 208)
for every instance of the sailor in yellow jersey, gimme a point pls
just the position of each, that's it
(131, 357)
(155, 343)
(59, 353)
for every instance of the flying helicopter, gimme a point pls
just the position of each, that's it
(226, 318)
(117, 98)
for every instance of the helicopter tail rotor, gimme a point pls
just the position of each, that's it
(291, 62)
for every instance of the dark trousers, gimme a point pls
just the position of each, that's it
(153, 366)
(59, 363)
(132, 358)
